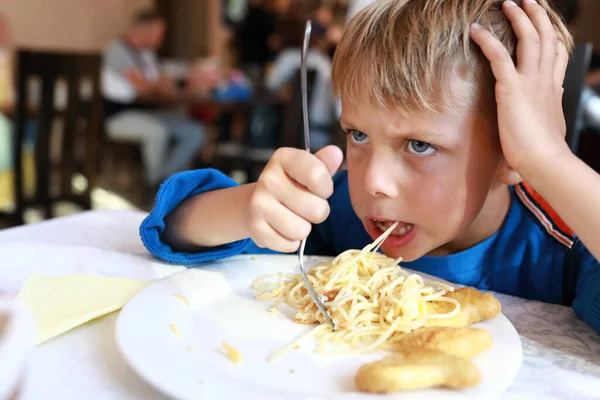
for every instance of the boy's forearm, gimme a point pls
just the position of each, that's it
(572, 188)
(209, 219)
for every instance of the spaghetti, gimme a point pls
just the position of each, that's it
(371, 298)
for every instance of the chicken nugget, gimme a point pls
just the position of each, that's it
(461, 342)
(475, 306)
(422, 369)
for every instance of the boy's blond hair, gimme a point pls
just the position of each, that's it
(406, 52)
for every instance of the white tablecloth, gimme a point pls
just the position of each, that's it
(561, 353)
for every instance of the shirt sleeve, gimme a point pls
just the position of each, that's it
(172, 193)
(184, 185)
(117, 59)
(114, 84)
(587, 301)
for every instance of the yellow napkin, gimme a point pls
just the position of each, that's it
(59, 304)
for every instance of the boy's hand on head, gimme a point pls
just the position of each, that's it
(290, 195)
(529, 95)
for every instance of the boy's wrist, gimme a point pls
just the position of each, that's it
(544, 170)
(247, 195)
(541, 165)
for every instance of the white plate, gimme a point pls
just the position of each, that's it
(223, 309)
(17, 333)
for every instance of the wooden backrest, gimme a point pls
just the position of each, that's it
(574, 82)
(67, 96)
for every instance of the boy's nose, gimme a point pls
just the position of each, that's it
(380, 178)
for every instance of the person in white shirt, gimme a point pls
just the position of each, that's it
(132, 81)
(321, 111)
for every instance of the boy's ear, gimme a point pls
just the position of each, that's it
(508, 175)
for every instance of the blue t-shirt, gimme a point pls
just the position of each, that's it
(530, 255)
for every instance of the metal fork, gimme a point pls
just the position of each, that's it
(309, 287)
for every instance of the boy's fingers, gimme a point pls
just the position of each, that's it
(560, 63)
(267, 237)
(305, 204)
(308, 206)
(332, 157)
(308, 171)
(528, 38)
(289, 225)
(548, 36)
(502, 64)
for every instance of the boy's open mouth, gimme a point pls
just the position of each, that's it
(402, 229)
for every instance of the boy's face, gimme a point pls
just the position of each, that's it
(432, 173)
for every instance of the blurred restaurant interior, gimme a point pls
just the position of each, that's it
(74, 135)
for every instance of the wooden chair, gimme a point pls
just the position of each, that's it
(78, 142)
(573, 85)
(122, 161)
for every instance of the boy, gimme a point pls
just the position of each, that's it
(438, 141)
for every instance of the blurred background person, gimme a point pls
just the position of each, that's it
(287, 65)
(135, 90)
(253, 40)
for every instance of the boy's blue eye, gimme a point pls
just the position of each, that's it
(420, 148)
(358, 137)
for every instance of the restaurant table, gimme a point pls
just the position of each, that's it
(561, 354)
